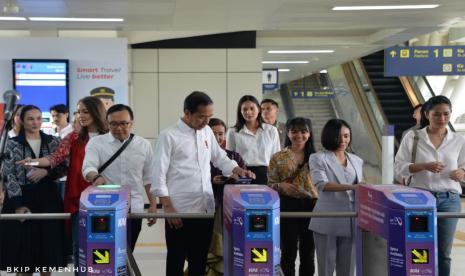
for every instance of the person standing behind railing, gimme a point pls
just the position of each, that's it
(91, 112)
(336, 173)
(417, 116)
(288, 173)
(253, 139)
(436, 162)
(32, 244)
(181, 179)
(15, 122)
(215, 252)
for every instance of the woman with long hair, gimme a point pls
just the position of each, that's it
(336, 173)
(32, 244)
(15, 122)
(289, 175)
(91, 112)
(438, 166)
(254, 140)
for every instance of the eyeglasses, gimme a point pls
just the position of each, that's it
(119, 124)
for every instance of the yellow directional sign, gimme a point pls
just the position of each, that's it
(101, 256)
(393, 53)
(404, 53)
(259, 255)
(420, 256)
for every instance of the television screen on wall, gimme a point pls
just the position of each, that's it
(42, 82)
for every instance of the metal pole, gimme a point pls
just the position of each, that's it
(208, 216)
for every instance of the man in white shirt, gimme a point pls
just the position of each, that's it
(60, 115)
(133, 167)
(182, 181)
(270, 110)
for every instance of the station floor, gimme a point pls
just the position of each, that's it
(150, 252)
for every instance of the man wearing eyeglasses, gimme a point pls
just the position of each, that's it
(133, 167)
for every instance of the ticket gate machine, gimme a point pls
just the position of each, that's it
(251, 230)
(102, 230)
(396, 231)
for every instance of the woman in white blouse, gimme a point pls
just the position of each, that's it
(254, 140)
(438, 166)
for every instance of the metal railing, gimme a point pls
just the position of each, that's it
(134, 268)
(206, 216)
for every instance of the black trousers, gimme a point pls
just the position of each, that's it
(295, 236)
(260, 172)
(133, 231)
(191, 242)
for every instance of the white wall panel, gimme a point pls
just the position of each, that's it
(145, 103)
(192, 60)
(144, 60)
(174, 87)
(244, 60)
(240, 84)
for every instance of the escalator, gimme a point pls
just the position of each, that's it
(391, 94)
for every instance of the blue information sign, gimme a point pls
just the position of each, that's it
(424, 60)
(270, 79)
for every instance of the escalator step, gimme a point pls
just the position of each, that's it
(385, 81)
(389, 88)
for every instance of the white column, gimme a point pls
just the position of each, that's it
(458, 98)
(449, 86)
(387, 175)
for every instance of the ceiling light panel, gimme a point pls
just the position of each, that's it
(300, 51)
(75, 19)
(397, 7)
(285, 62)
(12, 18)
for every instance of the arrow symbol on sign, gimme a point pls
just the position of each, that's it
(393, 53)
(261, 257)
(103, 259)
(421, 258)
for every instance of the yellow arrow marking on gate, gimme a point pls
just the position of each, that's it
(422, 258)
(260, 257)
(102, 259)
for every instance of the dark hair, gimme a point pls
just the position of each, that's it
(97, 111)
(195, 99)
(240, 121)
(16, 112)
(417, 106)
(23, 112)
(429, 105)
(27, 108)
(217, 122)
(300, 123)
(331, 134)
(118, 108)
(271, 101)
(59, 108)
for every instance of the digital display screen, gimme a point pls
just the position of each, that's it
(43, 83)
(419, 224)
(258, 223)
(101, 224)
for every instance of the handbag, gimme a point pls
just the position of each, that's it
(116, 154)
(416, 138)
